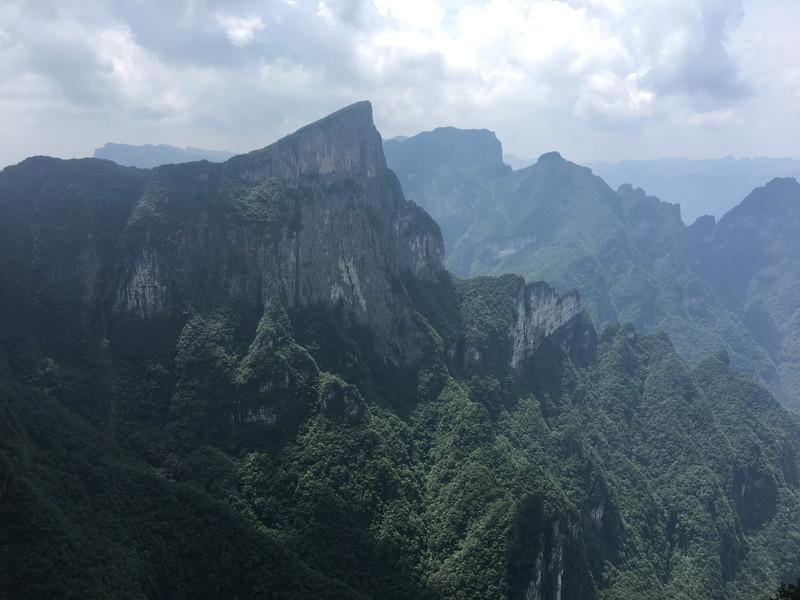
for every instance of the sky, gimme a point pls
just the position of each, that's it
(593, 79)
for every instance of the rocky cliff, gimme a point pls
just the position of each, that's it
(343, 145)
(540, 313)
(314, 218)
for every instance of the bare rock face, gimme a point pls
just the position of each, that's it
(342, 145)
(548, 561)
(315, 218)
(540, 313)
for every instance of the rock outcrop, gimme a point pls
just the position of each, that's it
(540, 313)
(315, 218)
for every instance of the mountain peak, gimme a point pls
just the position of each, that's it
(357, 115)
(344, 144)
(550, 157)
(779, 194)
(466, 149)
(628, 190)
(784, 183)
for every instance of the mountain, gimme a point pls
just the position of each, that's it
(448, 164)
(752, 257)
(629, 254)
(701, 187)
(147, 156)
(256, 379)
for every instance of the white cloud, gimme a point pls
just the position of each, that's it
(420, 15)
(137, 75)
(240, 30)
(5, 38)
(610, 96)
(324, 12)
(713, 118)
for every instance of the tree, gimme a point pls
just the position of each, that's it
(788, 591)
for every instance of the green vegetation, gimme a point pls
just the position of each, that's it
(788, 591)
(623, 476)
(80, 519)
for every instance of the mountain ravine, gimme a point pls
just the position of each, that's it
(256, 379)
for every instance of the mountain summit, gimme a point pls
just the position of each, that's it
(712, 186)
(448, 164)
(343, 144)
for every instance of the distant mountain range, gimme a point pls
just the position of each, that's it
(147, 156)
(701, 187)
(629, 254)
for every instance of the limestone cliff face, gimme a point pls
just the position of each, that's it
(549, 559)
(315, 218)
(540, 313)
(342, 145)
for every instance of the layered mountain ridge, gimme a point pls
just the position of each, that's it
(147, 156)
(256, 379)
(750, 257)
(711, 186)
(628, 253)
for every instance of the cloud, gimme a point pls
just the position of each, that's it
(240, 30)
(715, 118)
(607, 95)
(692, 58)
(589, 77)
